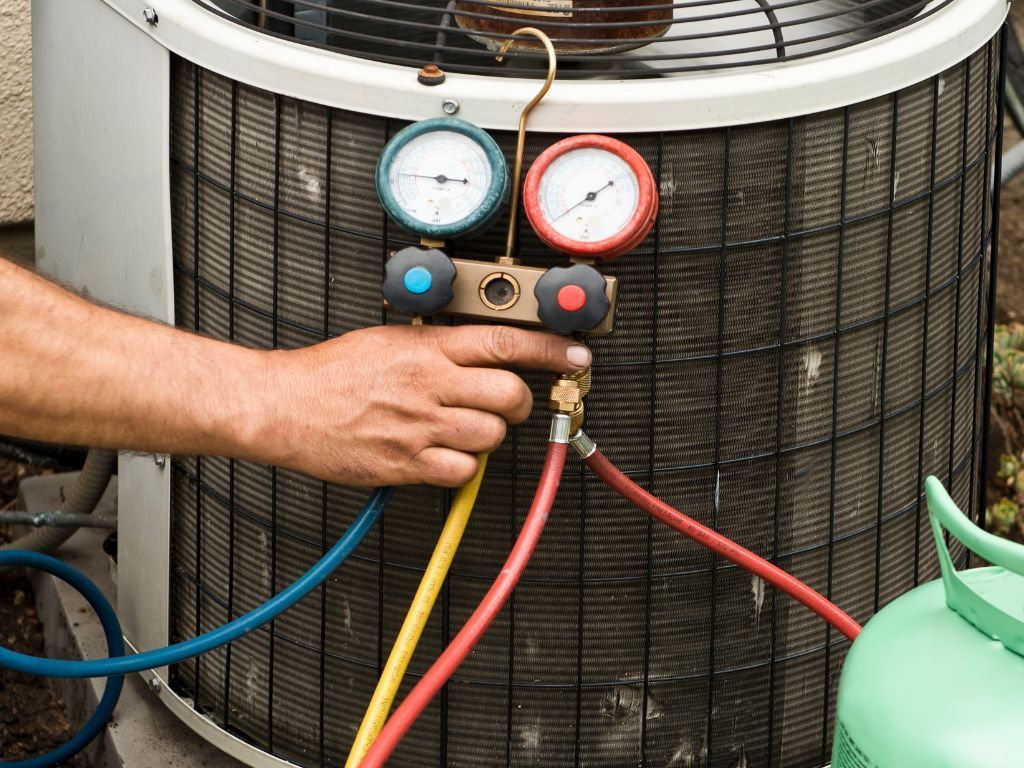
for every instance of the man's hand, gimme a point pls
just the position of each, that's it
(379, 406)
(402, 404)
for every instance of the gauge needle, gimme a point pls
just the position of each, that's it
(591, 196)
(440, 178)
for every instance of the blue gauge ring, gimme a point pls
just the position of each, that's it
(490, 207)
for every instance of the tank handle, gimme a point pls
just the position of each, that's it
(992, 602)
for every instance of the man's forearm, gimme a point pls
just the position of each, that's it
(75, 372)
(378, 406)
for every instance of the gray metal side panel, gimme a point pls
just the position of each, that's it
(101, 94)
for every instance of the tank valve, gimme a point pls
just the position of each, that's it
(567, 393)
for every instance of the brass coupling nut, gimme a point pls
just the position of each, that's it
(567, 393)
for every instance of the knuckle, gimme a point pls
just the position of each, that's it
(513, 396)
(453, 469)
(555, 348)
(525, 408)
(504, 343)
(511, 390)
(464, 472)
(418, 368)
(494, 432)
(450, 342)
(394, 449)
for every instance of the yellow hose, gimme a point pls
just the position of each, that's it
(416, 618)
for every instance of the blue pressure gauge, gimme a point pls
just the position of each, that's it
(443, 178)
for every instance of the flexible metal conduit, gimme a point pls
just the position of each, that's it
(89, 488)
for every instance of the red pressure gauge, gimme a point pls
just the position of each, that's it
(591, 196)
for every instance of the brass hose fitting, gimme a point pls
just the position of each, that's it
(567, 393)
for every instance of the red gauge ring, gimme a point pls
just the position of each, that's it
(635, 230)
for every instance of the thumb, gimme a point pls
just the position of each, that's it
(502, 346)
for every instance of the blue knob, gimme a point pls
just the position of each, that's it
(418, 280)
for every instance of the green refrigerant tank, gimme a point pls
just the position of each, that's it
(936, 679)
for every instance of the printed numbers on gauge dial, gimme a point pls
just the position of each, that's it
(591, 196)
(442, 178)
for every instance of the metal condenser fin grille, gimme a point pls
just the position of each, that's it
(799, 343)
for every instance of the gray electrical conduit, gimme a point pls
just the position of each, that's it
(1013, 158)
(1013, 162)
(86, 493)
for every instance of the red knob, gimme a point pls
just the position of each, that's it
(571, 298)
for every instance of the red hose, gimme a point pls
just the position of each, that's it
(720, 545)
(435, 678)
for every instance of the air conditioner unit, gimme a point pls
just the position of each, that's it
(800, 341)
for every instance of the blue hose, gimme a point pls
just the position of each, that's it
(172, 654)
(118, 664)
(115, 647)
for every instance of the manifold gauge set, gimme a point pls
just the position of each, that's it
(589, 197)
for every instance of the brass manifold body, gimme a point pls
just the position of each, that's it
(567, 393)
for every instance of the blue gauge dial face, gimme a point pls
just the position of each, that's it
(443, 178)
(440, 177)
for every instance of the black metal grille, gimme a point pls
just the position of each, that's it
(664, 38)
(800, 341)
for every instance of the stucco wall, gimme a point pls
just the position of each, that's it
(15, 111)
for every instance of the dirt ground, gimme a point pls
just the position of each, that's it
(32, 719)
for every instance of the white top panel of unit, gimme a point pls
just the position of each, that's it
(947, 33)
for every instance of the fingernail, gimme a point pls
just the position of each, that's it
(578, 356)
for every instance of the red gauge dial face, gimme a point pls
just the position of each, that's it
(591, 196)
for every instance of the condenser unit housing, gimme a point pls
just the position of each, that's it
(800, 341)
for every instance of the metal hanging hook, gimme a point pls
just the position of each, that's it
(517, 172)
